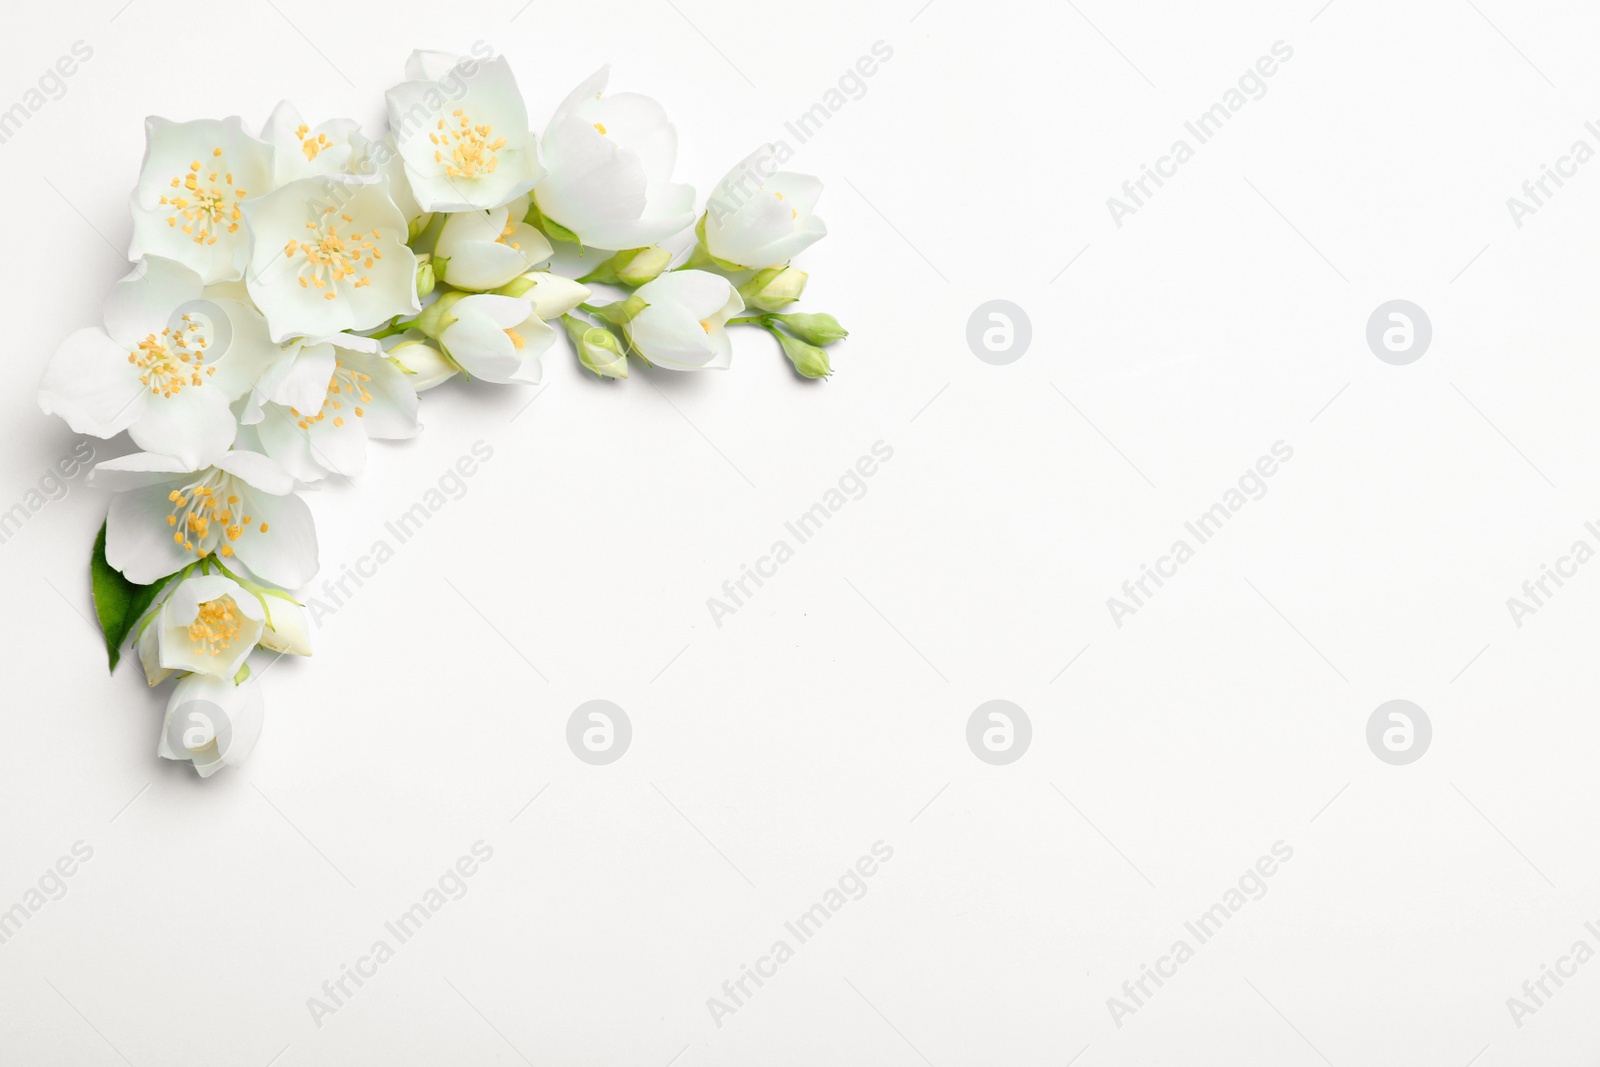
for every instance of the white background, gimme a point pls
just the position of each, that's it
(830, 712)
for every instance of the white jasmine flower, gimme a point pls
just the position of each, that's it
(165, 367)
(211, 723)
(484, 250)
(682, 328)
(610, 160)
(496, 338)
(207, 624)
(165, 516)
(186, 206)
(462, 129)
(760, 217)
(329, 256)
(316, 409)
(333, 149)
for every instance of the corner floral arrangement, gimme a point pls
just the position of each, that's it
(294, 292)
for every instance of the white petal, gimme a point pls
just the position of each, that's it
(553, 295)
(288, 445)
(148, 646)
(143, 302)
(392, 414)
(136, 471)
(305, 386)
(214, 708)
(290, 631)
(640, 125)
(484, 265)
(286, 555)
(138, 540)
(258, 472)
(700, 292)
(194, 426)
(90, 383)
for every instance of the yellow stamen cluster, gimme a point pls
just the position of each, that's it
(511, 228)
(345, 387)
(313, 147)
(216, 627)
(517, 340)
(171, 360)
(793, 214)
(206, 517)
(472, 148)
(331, 256)
(203, 204)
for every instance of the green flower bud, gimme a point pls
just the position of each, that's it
(632, 268)
(774, 288)
(425, 275)
(597, 348)
(436, 317)
(809, 360)
(818, 329)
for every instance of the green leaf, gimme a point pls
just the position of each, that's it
(118, 602)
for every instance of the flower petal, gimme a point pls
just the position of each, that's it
(90, 383)
(286, 555)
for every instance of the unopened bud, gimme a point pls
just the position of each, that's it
(632, 267)
(423, 364)
(597, 348)
(425, 276)
(809, 360)
(774, 288)
(551, 294)
(818, 329)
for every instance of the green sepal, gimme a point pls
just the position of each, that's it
(552, 229)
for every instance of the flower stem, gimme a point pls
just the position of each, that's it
(395, 326)
(763, 320)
